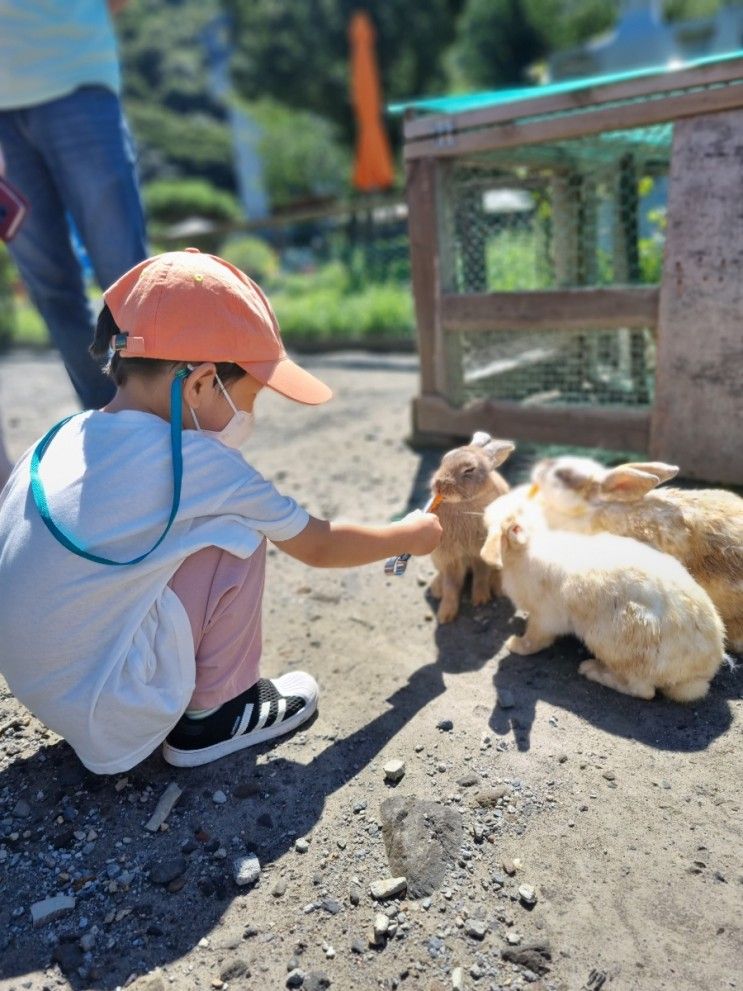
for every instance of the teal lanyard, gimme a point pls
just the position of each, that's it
(176, 447)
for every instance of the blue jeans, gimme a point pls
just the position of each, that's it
(74, 155)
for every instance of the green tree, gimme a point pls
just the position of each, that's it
(297, 51)
(497, 40)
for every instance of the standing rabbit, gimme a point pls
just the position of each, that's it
(465, 482)
(647, 622)
(702, 528)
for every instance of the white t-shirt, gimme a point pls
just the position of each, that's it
(104, 655)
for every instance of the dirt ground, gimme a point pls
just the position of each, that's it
(622, 815)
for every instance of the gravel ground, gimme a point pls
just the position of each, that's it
(568, 837)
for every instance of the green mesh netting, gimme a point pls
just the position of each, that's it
(459, 103)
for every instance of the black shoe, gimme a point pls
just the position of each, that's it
(268, 709)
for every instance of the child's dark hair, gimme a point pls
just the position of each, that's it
(119, 369)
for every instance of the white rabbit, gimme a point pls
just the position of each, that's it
(464, 483)
(641, 614)
(702, 528)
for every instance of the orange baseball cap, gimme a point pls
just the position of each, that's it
(189, 306)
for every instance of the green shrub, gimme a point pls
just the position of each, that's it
(252, 256)
(170, 200)
(324, 314)
(302, 157)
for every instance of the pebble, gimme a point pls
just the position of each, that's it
(51, 908)
(246, 869)
(168, 870)
(381, 925)
(387, 887)
(21, 809)
(457, 979)
(394, 771)
(513, 939)
(219, 797)
(476, 928)
(527, 894)
(279, 889)
(354, 894)
(316, 980)
(468, 780)
(301, 845)
(295, 978)
(609, 775)
(445, 725)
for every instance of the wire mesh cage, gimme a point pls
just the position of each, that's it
(586, 212)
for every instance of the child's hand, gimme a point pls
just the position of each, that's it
(422, 532)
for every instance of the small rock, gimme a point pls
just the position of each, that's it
(505, 698)
(21, 809)
(468, 780)
(509, 867)
(316, 980)
(168, 870)
(476, 928)
(609, 775)
(387, 887)
(332, 906)
(279, 889)
(295, 978)
(445, 725)
(51, 908)
(513, 939)
(219, 797)
(246, 869)
(301, 845)
(489, 797)
(357, 946)
(457, 979)
(354, 894)
(394, 771)
(381, 925)
(535, 956)
(527, 894)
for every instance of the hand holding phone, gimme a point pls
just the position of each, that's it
(13, 208)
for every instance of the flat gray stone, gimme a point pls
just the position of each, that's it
(422, 840)
(51, 908)
(387, 887)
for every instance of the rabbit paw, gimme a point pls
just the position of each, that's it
(447, 611)
(519, 645)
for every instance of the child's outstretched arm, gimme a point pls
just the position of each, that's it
(323, 544)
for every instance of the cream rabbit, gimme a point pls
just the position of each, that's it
(643, 617)
(465, 482)
(702, 528)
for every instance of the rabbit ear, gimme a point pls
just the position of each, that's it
(490, 551)
(662, 471)
(516, 534)
(626, 484)
(480, 438)
(498, 451)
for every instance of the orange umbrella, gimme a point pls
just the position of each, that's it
(373, 167)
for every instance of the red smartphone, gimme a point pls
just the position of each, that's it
(13, 208)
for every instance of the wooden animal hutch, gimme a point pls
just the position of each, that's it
(577, 260)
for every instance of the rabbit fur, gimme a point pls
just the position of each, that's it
(702, 528)
(466, 481)
(648, 624)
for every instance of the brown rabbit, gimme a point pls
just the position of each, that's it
(702, 528)
(466, 482)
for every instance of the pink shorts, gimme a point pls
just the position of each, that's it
(223, 596)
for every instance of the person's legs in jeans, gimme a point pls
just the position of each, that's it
(72, 155)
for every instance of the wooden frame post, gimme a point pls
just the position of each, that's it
(697, 419)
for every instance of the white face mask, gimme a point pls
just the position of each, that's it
(238, 428)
